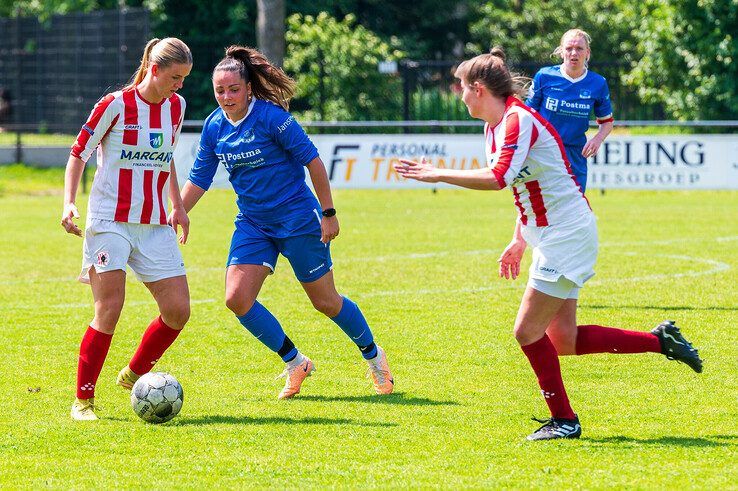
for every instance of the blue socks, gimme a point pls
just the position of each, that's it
(265, 327)
(352, 322)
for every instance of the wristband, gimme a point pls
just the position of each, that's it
(329, 212)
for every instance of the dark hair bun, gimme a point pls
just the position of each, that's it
(498, 52)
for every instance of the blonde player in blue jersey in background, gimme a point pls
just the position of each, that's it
(566, 94)
(265, 151)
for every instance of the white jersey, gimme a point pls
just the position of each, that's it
(526, 153)
(135, 142)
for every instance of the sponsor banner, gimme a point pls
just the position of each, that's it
(636, 162)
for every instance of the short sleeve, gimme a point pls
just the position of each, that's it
(206, 160)
(291, 137)
(514, 151)
(102, 118)
(602, 105)
(535, 93)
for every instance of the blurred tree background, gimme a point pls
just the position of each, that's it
(675, 58)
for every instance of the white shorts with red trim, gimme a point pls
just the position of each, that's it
(150, 250)
(568, 250)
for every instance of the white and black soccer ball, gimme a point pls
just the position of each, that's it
(157, 397)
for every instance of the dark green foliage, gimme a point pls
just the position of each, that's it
(335, 66)
(687, 55)
(207, 30)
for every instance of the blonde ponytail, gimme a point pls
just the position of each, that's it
(162, 52)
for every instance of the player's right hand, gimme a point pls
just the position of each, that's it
(510, 259)
(70, 214)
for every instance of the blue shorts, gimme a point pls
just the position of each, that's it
(578, 164)
(297, 239)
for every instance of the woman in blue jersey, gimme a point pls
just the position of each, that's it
(266, 151)
(566, 94)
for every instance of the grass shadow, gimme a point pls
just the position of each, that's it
(398, 398)
(658, 307)
(249, 420)
(675, 441)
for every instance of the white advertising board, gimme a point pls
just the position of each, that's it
(634, 162)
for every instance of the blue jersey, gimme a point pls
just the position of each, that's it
(566, 103)
(265, 155)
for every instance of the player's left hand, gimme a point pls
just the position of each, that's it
(592, 147)
(328, 229)
(178, 216)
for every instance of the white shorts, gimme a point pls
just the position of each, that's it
(150, 250)
(561, 288)
(562, 251)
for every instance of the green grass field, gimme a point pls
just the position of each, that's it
(422, 267)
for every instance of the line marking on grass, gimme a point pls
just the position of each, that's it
(717, 267)
(390, 257)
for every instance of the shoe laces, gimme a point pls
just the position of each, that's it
(287, 372)
(550, 422)
(381, 375)
(90, 407)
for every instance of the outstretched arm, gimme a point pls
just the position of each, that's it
(424, 171)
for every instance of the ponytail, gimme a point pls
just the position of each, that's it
(491, 71)
(268, 82)
(162, 52)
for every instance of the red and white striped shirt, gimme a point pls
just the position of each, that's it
(525, 152)
(135, 141)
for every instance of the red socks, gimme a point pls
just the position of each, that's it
(92, 352)
(545, 362)
(599, 339)
(157, 338)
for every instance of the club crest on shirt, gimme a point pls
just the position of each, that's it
(156, 139)
(103, 258)
(248, 136)
(585, 94)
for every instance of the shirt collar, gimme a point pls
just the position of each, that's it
(572, 80)
(248, 111)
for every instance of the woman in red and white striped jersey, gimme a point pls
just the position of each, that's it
(525, 152)
(135, 131)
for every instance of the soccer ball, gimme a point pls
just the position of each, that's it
(157, 397)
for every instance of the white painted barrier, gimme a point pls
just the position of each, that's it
(628, 162)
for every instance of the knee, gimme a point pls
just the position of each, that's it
(329, 306)
(177, 316)
(107, 313)
(238, 304)
(565, 345)
(525, 336)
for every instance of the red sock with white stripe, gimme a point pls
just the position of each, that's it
(600, 339)
(92, 352)
(157, 338)
(545, 362)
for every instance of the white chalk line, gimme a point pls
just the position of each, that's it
(717, 267)
(394, 257)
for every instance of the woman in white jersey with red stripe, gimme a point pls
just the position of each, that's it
(525, 152)
(135, 131)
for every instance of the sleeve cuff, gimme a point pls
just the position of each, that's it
(200, 184)
(500, 178)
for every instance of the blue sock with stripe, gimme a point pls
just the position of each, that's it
(352, 322)
(265, 327)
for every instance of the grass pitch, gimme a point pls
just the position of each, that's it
(422, 267)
